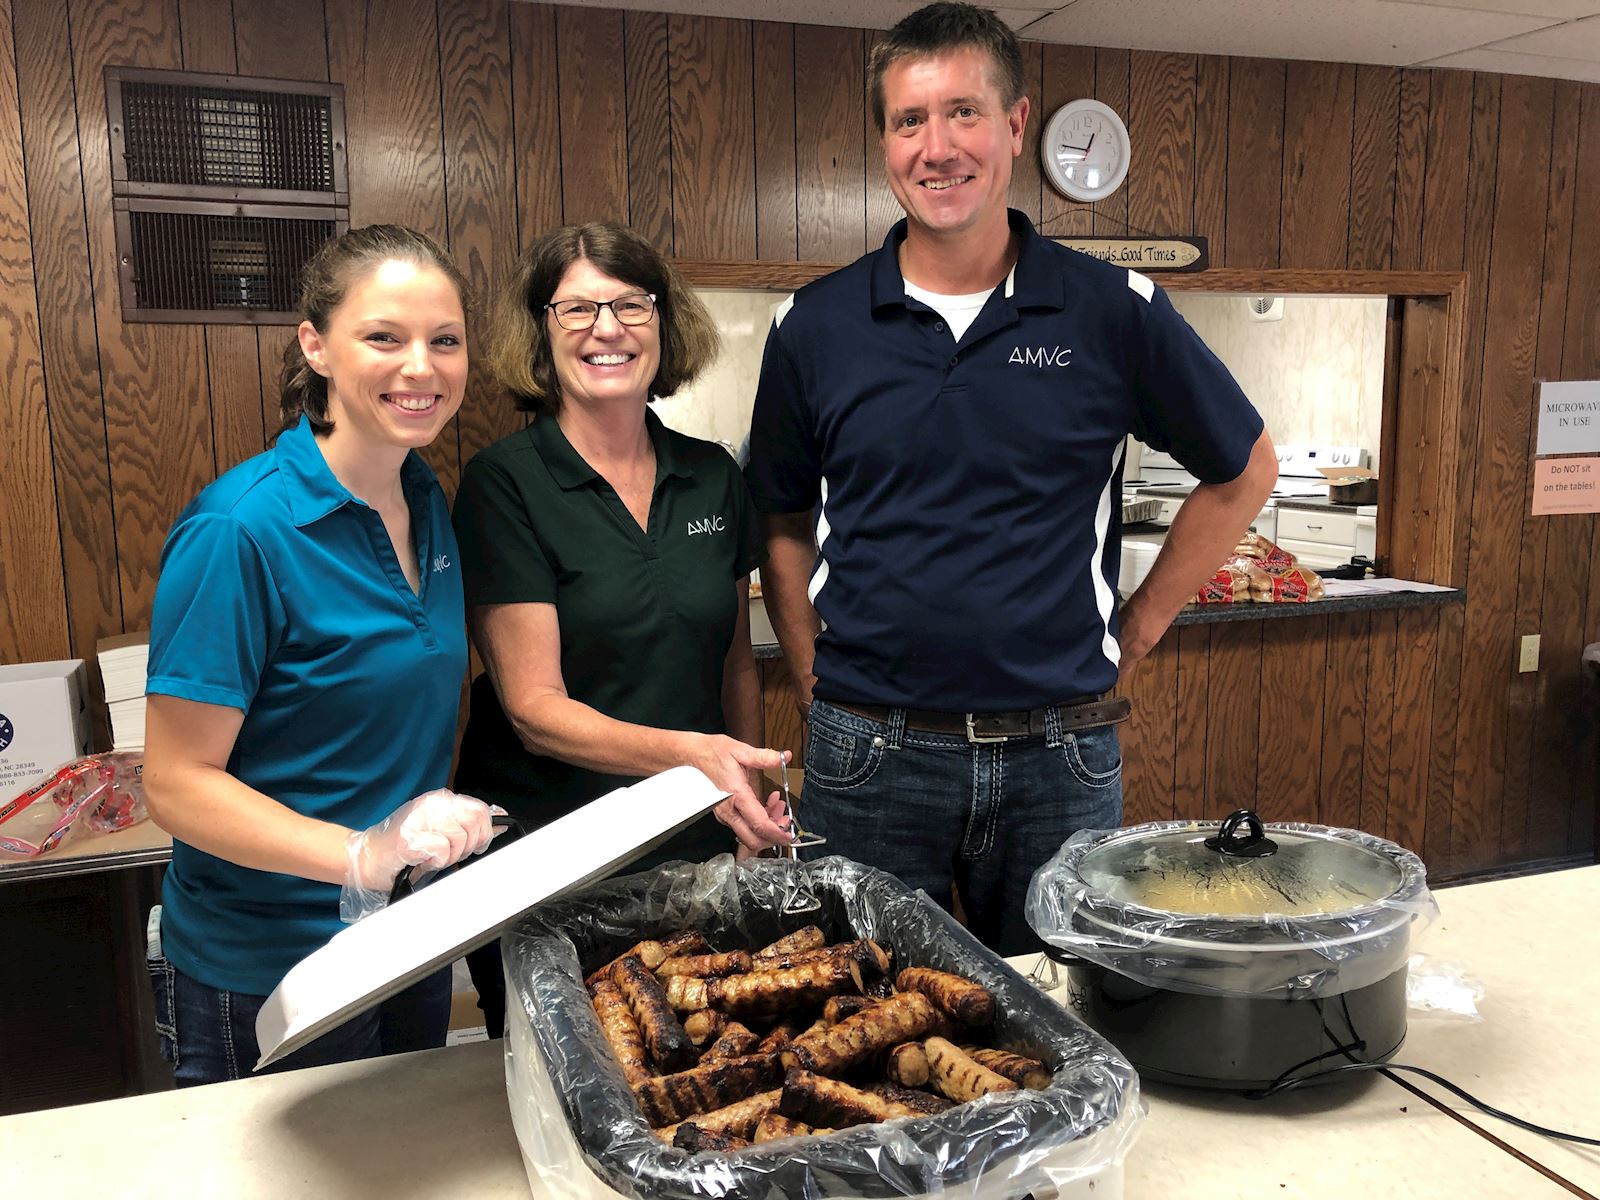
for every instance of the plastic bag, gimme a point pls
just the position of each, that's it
(1258, 955)
(1260, 572)
(577, 1121)
(100, 793)
(1442, 989)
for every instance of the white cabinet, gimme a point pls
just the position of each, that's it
(1318, 525)
(1266, 523)
(1317, 537)
(1319, 556)
(1367, 532)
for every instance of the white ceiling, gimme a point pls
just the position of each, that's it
(1555, 38)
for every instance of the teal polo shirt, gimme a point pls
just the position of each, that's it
(281, 596)
(646, 616)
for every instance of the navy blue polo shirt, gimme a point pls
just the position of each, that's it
(968, 494)
(281, 596)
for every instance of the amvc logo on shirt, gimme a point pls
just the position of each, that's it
(1041, 356)
(709, 525)
(441, 563)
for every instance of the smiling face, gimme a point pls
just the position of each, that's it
(949, 141)
(395, 357)
(609, 362)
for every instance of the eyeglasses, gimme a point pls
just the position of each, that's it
(634, 309)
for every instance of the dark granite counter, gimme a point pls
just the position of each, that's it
(1211, 614)
(1208, 614)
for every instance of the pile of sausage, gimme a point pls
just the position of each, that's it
(799, 1037)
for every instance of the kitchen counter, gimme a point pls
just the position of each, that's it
(436, 1123)
(1211, 614)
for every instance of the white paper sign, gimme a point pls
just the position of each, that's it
(1569, 417)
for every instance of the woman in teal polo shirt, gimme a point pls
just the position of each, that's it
(607, 559)
(306, 655)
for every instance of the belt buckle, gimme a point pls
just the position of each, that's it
(983, 739)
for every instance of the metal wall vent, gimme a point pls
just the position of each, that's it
(196, 262)
(223, 186)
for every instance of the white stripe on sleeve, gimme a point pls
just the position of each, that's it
(1105, 597)
(820, 575)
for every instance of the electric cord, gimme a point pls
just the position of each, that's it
(1285, 1085)
(1290, 1080)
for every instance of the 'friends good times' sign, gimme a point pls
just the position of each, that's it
(1145, 254)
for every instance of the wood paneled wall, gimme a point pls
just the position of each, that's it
(485, 121)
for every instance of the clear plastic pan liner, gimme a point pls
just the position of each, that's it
(588, 1126)
(1332, 910)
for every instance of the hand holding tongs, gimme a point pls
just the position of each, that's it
(798, 838)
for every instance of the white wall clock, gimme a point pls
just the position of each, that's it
(1086, 150)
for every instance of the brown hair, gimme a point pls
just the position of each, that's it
(326, 280)
(939, 29)
(519, 344)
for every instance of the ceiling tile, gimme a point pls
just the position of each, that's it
(1504, 62)
(1580, 40)
(855, 14)
(1556, 10)
(1373, 31)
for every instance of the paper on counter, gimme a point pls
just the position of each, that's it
(1335, 589)
(395, 947)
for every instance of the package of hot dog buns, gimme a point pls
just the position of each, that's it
(1260, 572)
(777, 1029)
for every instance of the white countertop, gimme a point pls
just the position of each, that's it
(436, 1123)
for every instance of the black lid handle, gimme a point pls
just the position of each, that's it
(404, 883)
(1255, 844)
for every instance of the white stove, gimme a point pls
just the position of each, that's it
(1298, 473)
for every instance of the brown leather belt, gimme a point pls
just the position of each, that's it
(999, 727)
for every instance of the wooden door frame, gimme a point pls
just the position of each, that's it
(1421, 513)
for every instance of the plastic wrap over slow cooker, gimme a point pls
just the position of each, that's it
(1264, 954)
(577, 1122)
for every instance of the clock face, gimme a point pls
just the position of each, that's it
(1086, 150)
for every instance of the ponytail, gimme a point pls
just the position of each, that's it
(326, 280)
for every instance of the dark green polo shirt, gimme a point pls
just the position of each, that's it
(646, 617)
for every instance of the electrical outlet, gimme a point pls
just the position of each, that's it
(1529, 659)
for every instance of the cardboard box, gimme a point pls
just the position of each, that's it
(44, 721)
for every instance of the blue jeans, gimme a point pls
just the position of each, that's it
(209, 1035)
(941, 813)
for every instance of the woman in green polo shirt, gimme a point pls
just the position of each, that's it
(606, 560)
(307, 609)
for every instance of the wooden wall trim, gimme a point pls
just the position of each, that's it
(747, 150)
(1451, 285)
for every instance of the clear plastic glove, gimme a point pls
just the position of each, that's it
(433, 831)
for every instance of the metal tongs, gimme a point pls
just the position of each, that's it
(798, 838)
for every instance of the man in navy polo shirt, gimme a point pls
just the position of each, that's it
(937, 454)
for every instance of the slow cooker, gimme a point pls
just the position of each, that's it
(1235, 954)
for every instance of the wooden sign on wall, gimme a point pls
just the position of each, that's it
(1145, 254)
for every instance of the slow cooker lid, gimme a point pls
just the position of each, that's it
(1241, 869)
